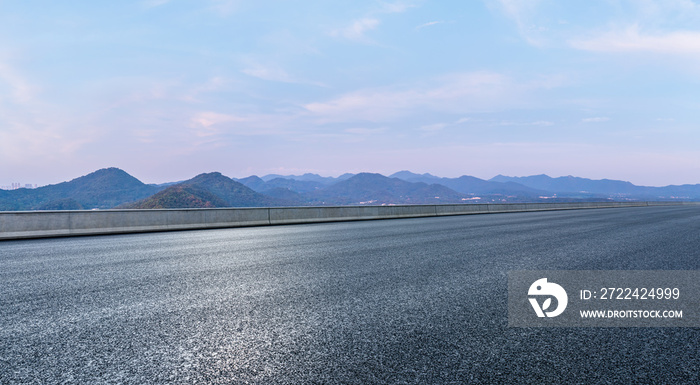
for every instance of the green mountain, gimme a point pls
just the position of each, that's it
(113, 188)
(367, 188)
(179, 196)
(102, 189)
(207, 190)
(233, 193)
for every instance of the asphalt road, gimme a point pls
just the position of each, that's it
(414, 301)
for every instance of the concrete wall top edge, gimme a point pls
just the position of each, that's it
(131, 210)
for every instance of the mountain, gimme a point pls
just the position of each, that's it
(471, 185)
(368, 188)
(300, 186)
(112, 187)
(413, 177)
(102, 189)
(61, 204)
(572, 184)
(676, 192)
(233, 193)
(253, 182)
(576, 186)
(292, 198)
(308, 177)
(179, 196)
(208, 190)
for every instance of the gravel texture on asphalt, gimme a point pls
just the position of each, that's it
(404, 301)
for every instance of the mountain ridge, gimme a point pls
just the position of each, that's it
(101, 189)
(114, 188)
(207, 190)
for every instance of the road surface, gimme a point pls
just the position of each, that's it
(415, 301)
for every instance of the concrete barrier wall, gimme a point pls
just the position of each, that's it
(290, 215)
(41, 224)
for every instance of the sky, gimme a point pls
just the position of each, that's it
(168, 89)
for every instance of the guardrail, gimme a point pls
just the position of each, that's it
(43, 224)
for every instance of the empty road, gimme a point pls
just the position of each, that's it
(416, 301)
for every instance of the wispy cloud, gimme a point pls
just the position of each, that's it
(631, 39)
(358, 29)
(599, 119)
(396, 7)
(366, 131)
(154, 3)
(523, 12)
(455, 93)
(275, 73)
(207, 119)
(213, 84)
(428, 24)
(32, 126)
(21, 90)
(268, 73)
(539, 123)
(224, 7)
(50, 135)
(211, 123)
(433, 127)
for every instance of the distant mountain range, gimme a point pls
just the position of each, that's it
(114, 188)
(582, 187)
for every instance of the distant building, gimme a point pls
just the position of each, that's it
(17, 185)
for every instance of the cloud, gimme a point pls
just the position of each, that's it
(396, 7)
(224, 7)
(208, 118)
(366, 131)
(433, 127)
(455, 93)
(155, 3)
(599, 119)
(523, 12)
(210, 123)
(631, 39)
(357, 30)
(539, 123)
(21, 90)
(276, 74)
(32, 126)
(39, 133)
(428, 24)
(268, 73)
(213, 84)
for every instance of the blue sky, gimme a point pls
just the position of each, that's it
(167, 89)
